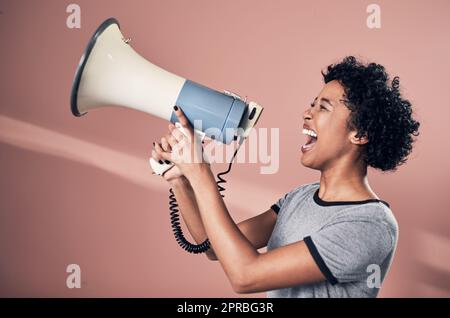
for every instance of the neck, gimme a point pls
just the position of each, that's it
(345, 181)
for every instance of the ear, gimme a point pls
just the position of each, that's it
(358, 140)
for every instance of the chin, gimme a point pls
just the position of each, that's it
(307, 163)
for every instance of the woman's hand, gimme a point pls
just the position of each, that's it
(184, 151)
(174, 173)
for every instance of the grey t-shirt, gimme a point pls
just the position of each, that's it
(353, 243)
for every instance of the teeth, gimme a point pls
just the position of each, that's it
(309, 132)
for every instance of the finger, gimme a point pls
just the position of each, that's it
(171, 127)
(156, 156)
(183, 119)
(177, 134)
(164, 156)
(172, 141)
(165, 145)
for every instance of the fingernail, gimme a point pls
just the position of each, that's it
(154, 144)
(175, 107)
(167, 161)
(160, 162)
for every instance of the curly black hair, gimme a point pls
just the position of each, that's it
(377, 110)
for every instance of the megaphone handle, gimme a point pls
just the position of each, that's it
(160, 168)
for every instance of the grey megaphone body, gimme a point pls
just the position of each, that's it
(111, 73)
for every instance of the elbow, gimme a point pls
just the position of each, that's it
(240, 288)
(245, 281)
(242, 285)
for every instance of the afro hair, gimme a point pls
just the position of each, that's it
(377, 111)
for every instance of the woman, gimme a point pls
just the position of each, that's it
(333, 238)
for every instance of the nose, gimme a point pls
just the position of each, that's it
(307, 114)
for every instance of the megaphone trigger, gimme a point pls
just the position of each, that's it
(159, 168)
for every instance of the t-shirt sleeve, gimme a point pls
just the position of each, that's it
(343, 250)
(277, 205)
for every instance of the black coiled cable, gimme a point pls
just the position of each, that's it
(222, 180)
(178, 232)
(175, 218)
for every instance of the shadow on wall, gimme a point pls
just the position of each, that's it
(131, 168)
(432, 259)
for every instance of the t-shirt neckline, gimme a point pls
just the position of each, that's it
(321, 202)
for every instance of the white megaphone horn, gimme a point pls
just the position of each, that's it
(111, 73)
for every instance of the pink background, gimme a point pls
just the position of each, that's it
(80, 190)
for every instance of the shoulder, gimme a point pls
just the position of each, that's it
(373, 214)
(304, 188)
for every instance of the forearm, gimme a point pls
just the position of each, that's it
(189, 210)
(234, 251)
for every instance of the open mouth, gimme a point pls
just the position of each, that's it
(311, 139)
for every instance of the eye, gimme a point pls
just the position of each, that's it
(323, 107)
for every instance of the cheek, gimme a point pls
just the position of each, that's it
(329, 127)
(335, 126)
(334, 138)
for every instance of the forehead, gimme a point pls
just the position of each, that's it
(333, 91)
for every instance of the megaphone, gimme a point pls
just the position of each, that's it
(112, 73)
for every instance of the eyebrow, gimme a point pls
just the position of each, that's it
(326, 100)
(345, 102)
